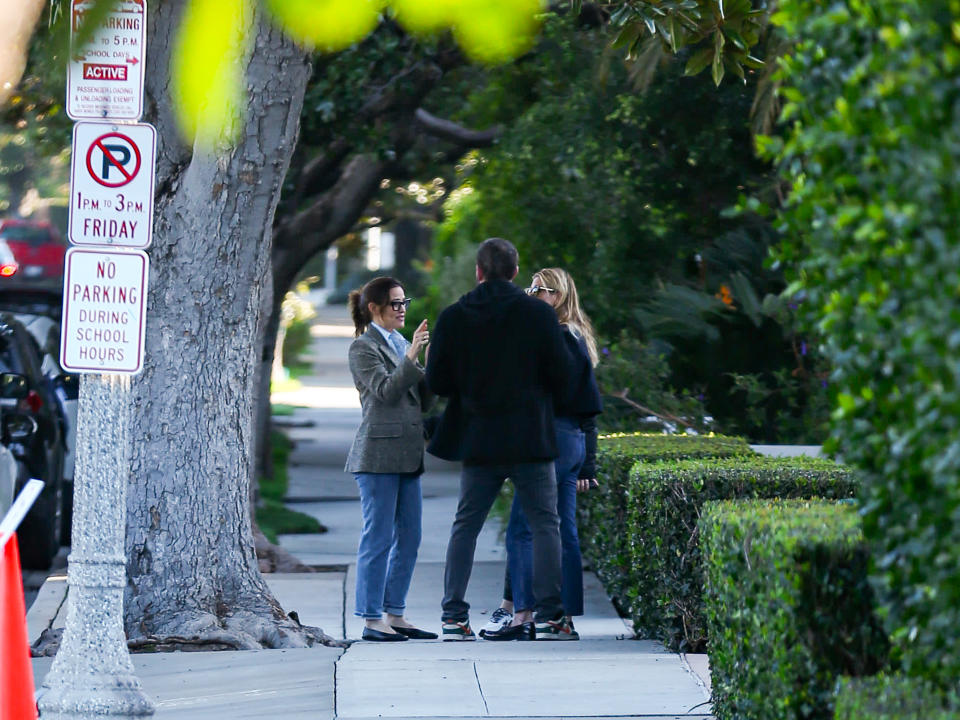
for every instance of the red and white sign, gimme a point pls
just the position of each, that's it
(105, 75)
(111, 184)
(104, 310)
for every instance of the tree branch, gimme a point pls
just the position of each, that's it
(327, 218)
(451, 131)
(642, 408)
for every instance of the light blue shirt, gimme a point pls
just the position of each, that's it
(396, 340)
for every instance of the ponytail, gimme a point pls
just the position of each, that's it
(377, 291)
(359, 313)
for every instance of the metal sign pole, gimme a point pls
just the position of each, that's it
(111, 204)
(92, 675)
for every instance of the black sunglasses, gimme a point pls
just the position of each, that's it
(536, 289)
(400, 304)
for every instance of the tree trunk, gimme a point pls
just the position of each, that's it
(295, 242)
(192, 572)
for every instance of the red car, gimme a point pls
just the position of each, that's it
(31, 253)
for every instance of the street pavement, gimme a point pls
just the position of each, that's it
(607, 674)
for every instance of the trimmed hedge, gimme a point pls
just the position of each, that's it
(871, 150)
(892, 697)
(789, 608)
(601, 513)
(664, 503)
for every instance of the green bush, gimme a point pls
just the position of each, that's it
(789, 607)
(601, 513)
(871, 156)
(891, 697)
(631, 372)
(664, 504)
(296, 342)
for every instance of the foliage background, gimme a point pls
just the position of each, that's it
(634, 192)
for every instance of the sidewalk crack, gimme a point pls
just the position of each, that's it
(486, 708)
(343, 593)
(336, 666)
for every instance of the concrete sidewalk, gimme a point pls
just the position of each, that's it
(606, 674)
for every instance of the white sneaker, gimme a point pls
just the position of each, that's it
(500, 619)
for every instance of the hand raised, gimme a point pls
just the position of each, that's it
(421, 337)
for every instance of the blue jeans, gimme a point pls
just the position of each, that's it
(572, 452)
(536, 489)
(391, 507)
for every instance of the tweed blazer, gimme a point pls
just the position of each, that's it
(393, 397)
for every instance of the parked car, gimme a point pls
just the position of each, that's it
(33, 431)
(39, 310)
(8, 463)
(33, 255)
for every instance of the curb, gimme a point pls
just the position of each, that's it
(49, 607)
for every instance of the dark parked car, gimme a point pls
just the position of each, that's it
(33, 430)
(39, 310)
(36, 253)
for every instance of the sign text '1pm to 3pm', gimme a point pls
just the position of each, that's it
(104, 311)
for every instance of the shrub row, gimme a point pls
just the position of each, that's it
(664, 501)
(789, 608)
(604, 537)
(891, 697)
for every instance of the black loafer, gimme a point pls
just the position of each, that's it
(523, 631)
(375, 635)
(415, 633)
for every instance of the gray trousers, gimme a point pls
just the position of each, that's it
(536, 489)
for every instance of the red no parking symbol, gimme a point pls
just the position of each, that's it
(113, 160)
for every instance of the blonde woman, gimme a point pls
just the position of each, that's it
(575, 467)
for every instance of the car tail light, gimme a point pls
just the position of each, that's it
(8, 269)
(32, 402)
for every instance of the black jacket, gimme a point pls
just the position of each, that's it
(583, 402)
(500, 358)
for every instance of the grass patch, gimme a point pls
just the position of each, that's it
(275, 488)
(273, 517)
(291, 384)
(299, 370)
(281, 410)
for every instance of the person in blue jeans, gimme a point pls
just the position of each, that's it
(386, 457)
(575, 468)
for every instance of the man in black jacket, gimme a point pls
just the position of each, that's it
(500, 358)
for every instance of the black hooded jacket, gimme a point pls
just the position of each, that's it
(500, 358)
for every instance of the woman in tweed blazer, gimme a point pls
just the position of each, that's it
(387, 456)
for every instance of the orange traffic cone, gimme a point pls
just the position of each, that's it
(16, 673)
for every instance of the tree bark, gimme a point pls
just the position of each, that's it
(192, 571)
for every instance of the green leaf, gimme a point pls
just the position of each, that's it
(213, 35)
(744, 293)
(735, 38)
(717, 69)
(698, 61)
(627, 36)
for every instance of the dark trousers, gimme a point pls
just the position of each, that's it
(536, 488)
(518, 585)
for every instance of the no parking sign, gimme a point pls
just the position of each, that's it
(111, 188)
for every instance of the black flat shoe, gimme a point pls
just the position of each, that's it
(415, 633)
(375, 635)
(523, 631)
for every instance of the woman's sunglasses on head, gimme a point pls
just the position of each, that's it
(537, 289)
(399, 305)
